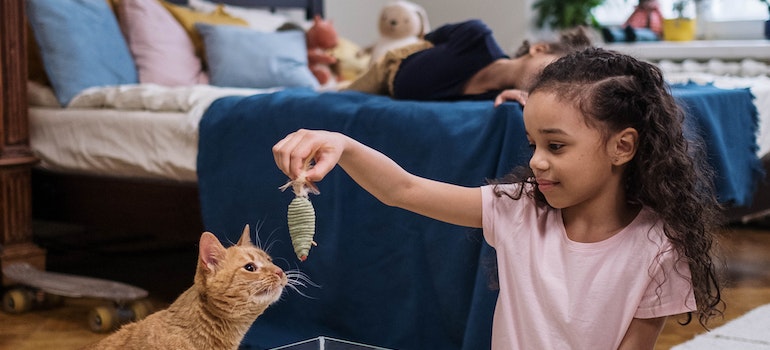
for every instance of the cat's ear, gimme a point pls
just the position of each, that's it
(211, 251)
(245, 236)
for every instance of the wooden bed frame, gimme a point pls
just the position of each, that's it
(165, 209)
(16, 158)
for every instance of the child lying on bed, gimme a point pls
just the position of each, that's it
(462, 61)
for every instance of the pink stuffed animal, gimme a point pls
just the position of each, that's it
(321, 37)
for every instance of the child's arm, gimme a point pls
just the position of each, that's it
(379, 175)
(642, 333)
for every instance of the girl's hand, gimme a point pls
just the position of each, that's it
(299, 148)
(512, 95)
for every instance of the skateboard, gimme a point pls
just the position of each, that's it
(43, 288)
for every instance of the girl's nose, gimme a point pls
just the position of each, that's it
(538, 162)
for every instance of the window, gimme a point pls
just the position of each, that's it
(614, 12)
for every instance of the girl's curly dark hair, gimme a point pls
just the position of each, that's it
(668, 173)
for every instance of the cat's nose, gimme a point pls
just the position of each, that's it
(279, 272)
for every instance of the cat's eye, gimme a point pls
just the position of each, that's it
(250, 267)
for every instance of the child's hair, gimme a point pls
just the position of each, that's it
(570, 40)
(668, 174)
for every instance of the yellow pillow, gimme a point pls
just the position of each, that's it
(188, 17)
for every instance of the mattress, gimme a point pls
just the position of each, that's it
(119, 143)
(139, 131)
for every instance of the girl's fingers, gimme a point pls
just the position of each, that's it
(284, 154)
(278, 156)
(324, 163)
(293, 153)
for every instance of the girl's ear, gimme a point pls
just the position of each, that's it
(623, 146)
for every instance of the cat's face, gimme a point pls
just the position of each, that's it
(239, 281)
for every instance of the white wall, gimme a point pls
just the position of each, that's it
(356, 20)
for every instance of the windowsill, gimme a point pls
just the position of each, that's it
(701, 50)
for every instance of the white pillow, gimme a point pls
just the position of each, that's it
(39, 95)
(258, 19)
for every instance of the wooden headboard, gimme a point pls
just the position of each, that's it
(312, 7)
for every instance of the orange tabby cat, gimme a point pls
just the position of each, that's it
(232, 287)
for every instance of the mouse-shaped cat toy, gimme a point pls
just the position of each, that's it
(301, 216)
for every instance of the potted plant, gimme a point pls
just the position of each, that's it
(680, 28)
(563, 14)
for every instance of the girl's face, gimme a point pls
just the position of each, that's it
(571, 161)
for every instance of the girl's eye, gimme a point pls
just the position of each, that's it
(250, 267)
(555, 146)
(532, 146)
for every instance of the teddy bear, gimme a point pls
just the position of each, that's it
(401, 23)
(321, 38)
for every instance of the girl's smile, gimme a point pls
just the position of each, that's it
(545, 185)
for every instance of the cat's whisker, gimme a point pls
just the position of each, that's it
(283, 260)
(294, 288)
(270, 245)
(271, 241)
(258, 241)
(300, 277)
(297, 279)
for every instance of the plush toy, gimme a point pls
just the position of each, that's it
(401, 23)
(321, 39)
(644, 24)
(350, 62)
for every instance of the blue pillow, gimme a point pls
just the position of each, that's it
(81, 45)
(247, 58)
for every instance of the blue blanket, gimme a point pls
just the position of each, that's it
(726, 120)
(387, 277)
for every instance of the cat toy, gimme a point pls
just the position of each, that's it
(301, 215)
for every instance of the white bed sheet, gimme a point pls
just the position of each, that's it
(118, 143)
(137, 131)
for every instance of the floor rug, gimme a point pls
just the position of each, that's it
(748, 332)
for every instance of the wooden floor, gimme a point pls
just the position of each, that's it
(746, 251)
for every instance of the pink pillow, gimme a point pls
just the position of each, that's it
(162, 50)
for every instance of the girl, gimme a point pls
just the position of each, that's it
(462, 61)
(606, 234)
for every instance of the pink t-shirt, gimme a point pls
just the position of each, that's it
(556, 293)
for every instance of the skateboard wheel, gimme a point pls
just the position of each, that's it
(140, 309)
(16, 301)
(103, 319)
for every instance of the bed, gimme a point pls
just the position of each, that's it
(385, 277)
(139, 168)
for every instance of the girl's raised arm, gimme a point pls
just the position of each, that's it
(377, 174)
